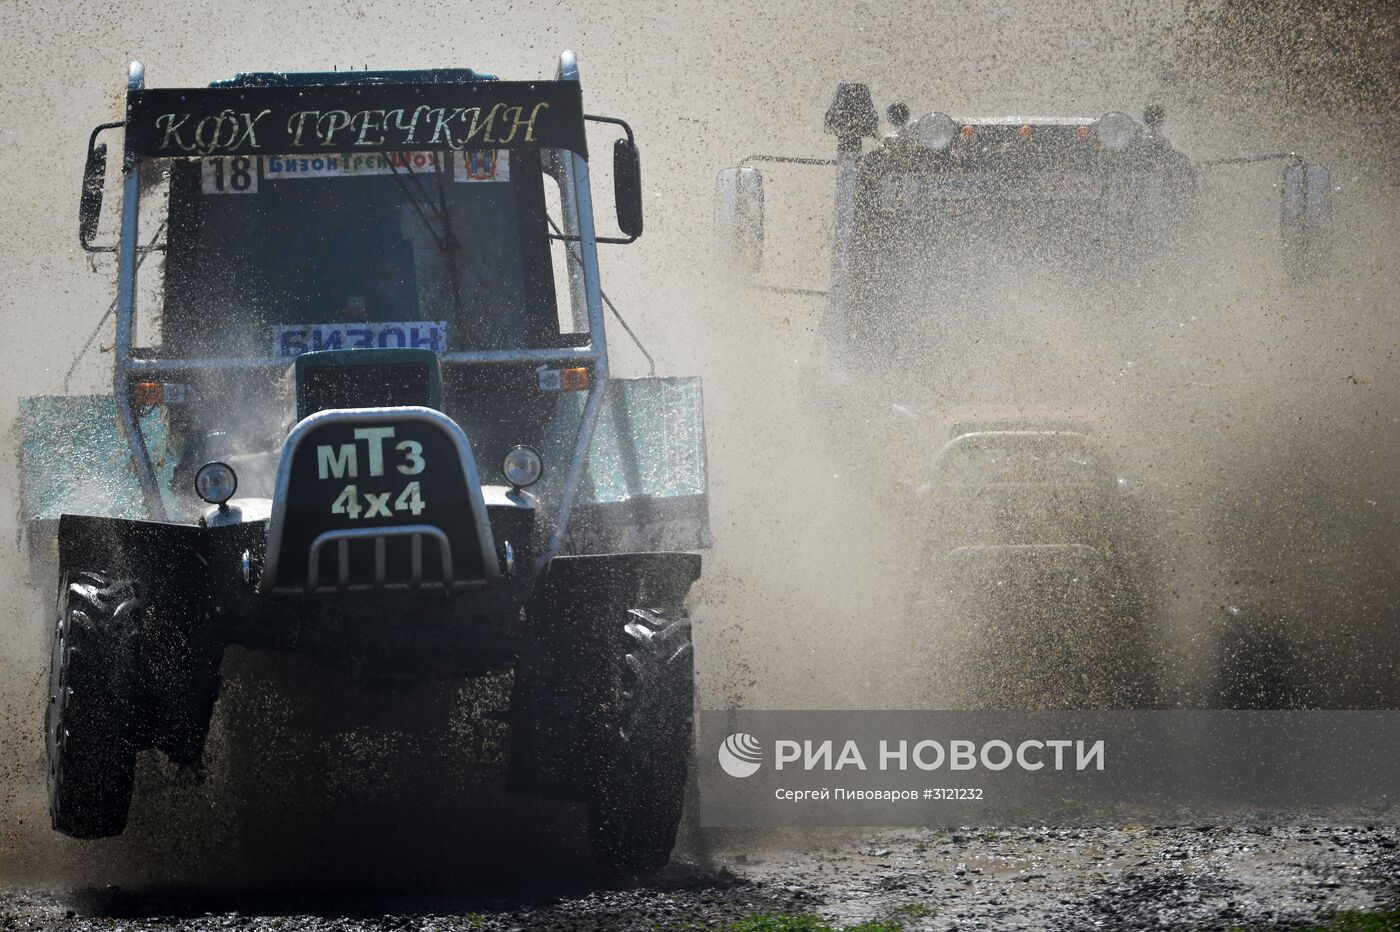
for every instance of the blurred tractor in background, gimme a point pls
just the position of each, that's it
(1036, 586)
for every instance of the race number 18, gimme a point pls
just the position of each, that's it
(235, 174)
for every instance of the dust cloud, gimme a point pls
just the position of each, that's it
(1268, 415)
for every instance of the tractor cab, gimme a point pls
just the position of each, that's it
(421, 211)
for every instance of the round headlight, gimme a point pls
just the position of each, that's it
(522, 466)
(936, 131)
(1115, 130)
(215, 483)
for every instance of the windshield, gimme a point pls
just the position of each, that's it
(943, 292)
(275, 255)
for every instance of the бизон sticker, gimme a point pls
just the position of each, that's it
(353, 165)
(295, 339)
(240, 174)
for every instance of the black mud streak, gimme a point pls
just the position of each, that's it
(683, 895)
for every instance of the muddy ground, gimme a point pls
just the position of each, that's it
(1192, 876)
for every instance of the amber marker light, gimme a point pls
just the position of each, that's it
(574, 380)
(147, 393)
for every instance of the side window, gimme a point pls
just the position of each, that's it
(564, 256)
(150, 277)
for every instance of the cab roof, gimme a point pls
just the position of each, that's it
(332, 78)
(1030, 121)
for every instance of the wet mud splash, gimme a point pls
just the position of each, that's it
(1298, 421)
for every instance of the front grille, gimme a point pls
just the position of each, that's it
(386, 559)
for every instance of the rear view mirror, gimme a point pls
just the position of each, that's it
(627, 187)
(739, 219)
(90, 205)
(1305, 218)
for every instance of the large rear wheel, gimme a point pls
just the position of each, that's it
(89, 720)
(640, 758)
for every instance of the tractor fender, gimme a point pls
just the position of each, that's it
(657, 579)
(138, 547)
(175, 558)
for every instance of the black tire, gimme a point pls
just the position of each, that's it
(89, 720)
(640, 758)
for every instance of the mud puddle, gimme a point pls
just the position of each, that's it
(1200, 876)
(1197, 876)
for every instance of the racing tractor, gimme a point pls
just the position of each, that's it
(948, 235)
(362, 411)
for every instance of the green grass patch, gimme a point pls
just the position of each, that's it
(913, 911)
(1385, 920)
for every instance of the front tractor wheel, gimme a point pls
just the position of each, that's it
(641, 757)
(89, 721)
